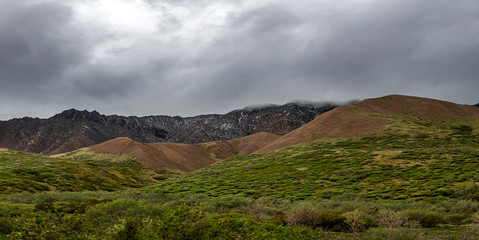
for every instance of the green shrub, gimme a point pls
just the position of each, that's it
(358, 221)
(44, 206)
(468, 192)
(131, 230)
(6, 225)
(230, 202)
(456, 218)
(326, 220)
(182, 223)
(80, 207)
(426, 219)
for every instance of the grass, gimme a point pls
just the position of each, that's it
(393, 166)
(77, 171)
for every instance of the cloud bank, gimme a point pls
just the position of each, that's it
(183, 57)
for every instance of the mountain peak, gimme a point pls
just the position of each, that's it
(74, 114)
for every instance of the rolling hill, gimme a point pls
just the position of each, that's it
(403, 119)
(394, 113)
(156, 156)
(80, 170)
(391, 114)
(395, 147)
(183, 157)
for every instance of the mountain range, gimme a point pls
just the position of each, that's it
(386, 114)
(73, 129)
(186, 144)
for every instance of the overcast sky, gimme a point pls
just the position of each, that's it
(190, 57)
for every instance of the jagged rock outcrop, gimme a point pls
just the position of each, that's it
(73, 129)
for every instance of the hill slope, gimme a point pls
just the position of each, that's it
(184, 157)
(384, 166)
(373, 115)
(158, 156)
(76, 171)
(395, 147)
(74, 129)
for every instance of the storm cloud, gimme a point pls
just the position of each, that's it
(139, 57)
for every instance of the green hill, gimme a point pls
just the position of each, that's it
(376, 167)
(418, 155)
(76, 171)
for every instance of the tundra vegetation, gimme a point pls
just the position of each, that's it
(401, 183)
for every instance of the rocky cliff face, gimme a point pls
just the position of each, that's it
(73, 129)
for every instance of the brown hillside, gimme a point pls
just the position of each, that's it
(158, 155)
(240, 146)
(356, 120)
(72, 143)
(189, 156)
(423, 108)
(184, 157)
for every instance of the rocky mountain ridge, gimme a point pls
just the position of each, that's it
(73, 129)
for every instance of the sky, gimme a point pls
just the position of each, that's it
(191, 57)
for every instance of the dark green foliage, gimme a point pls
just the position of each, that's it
(468, 192)
(6, 226)
(131, 230)
(183, 223)
(79, 207)
(462, 130)
(325, 220)
(426, 219)
(44, 206)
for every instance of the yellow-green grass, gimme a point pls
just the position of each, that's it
(77, 171)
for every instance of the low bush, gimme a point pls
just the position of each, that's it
(426, 219)
(44, 206)
(6, 225)
(326, 220)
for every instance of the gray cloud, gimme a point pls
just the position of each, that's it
(192, 57)
(404, 42)
(35, 45)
